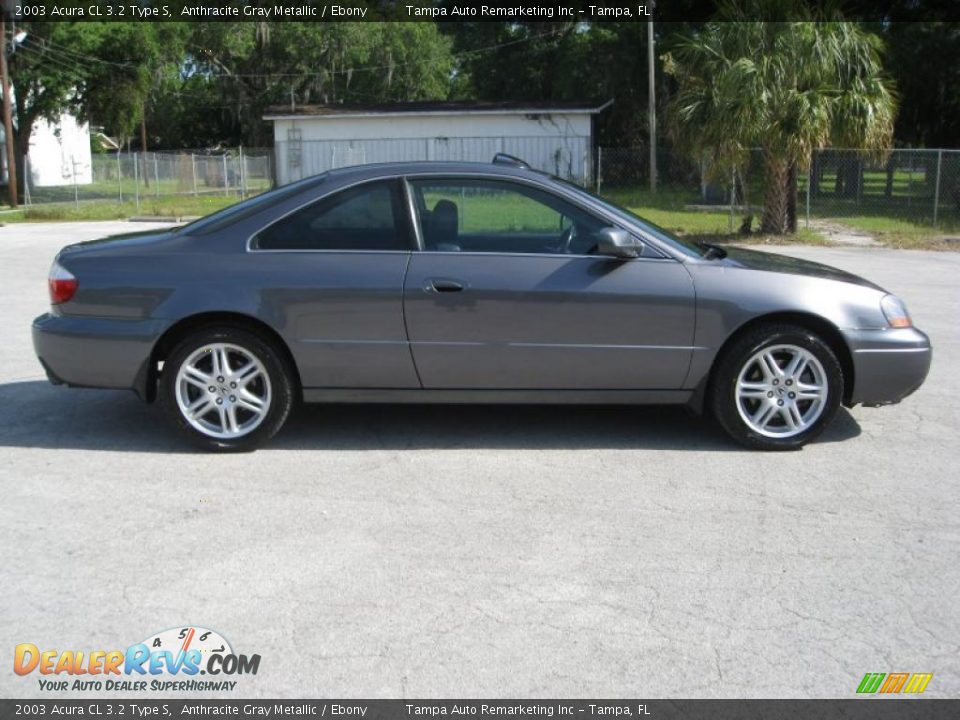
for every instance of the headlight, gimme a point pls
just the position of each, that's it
(895, 312)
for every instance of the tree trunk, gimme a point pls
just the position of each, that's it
(775, 202)
(9, 150)
(21, 150)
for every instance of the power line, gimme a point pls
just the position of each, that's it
(68, 58)
(75, 56)
(74, 71)
(394, 66)
(49, 56)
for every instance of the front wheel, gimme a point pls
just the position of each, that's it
(776, 387)
(226, 389)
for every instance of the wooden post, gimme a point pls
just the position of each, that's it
(936, 191)
(136, 180)
(143, 144)
(8, 115)
(243, 176)
(76, 191)
(651, 108)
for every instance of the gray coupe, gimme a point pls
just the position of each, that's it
(462, 283)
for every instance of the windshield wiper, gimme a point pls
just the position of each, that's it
(712, 250)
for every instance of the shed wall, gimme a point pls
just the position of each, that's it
(558, 143)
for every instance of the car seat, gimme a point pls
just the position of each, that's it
(443, 227)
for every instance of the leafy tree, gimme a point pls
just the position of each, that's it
(560, 61)
(102, 72)
(243, 67)
(924, 58)
(787, 87)
(44, 84)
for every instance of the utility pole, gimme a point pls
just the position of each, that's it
(8, 114)
(652, 106)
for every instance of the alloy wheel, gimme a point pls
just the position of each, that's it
(781, 391)
(223, 390)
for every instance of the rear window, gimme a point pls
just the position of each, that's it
(365, 217)
(246, 208)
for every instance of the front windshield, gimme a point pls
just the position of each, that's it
(239, 210)
(665, 236)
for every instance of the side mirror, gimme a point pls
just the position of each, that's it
(617, 243)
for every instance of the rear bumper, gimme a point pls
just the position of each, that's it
(888, 364)
(96, 352)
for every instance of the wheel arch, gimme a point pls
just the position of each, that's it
(185, 326)
(818, 324)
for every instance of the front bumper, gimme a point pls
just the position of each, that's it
(888, 364)
(96, 352)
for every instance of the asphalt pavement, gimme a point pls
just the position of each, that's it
(416, 551)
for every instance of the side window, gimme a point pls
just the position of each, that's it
(467, 215)
(366, 217)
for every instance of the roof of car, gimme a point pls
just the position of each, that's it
(436, 107)
(434, 167)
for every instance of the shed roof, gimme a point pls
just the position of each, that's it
(284, 112)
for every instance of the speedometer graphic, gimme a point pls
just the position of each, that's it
(180, 640)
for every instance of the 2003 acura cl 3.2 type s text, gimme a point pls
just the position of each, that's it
(461, 282)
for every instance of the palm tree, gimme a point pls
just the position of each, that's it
(787, 87)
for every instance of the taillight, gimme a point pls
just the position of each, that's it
(63, 285)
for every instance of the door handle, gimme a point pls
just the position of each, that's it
(444, 286)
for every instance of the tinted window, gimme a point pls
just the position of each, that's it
(471, 215)
(366, 217)
(241, 210)
(686, 246)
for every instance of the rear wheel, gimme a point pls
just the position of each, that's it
(776, 387)
(226, 389)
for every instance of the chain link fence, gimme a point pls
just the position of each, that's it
(567, 156)
(917, 186)
(139, 177)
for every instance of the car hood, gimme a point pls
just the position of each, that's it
(773, 262)
(120, 242)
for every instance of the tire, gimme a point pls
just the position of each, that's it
(246, 404)
(776, 408)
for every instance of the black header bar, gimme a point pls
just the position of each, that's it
(443, 10)
(873, 708)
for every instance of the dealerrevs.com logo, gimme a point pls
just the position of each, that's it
(894, 683)
(171, 660)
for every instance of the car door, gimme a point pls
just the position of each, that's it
(332, 275)
(507, 295)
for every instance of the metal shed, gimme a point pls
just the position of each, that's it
(555, 137)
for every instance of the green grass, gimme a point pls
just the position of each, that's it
(876, 216)
(129, 190)
(898, 233)
(178, 207)
(669, 208)
(506, 212)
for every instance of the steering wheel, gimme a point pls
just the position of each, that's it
(566, 240)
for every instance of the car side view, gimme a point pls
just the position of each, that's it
(461, 283)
